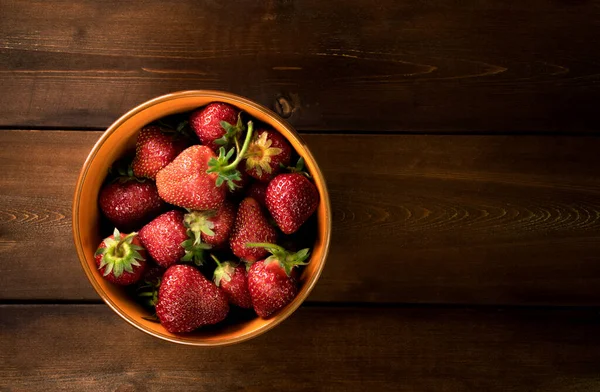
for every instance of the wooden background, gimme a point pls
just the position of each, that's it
(460, 141)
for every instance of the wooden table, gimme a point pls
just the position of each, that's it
(460, 144)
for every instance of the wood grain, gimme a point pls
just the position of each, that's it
(423, 219)
(87, 347)
(434, 66)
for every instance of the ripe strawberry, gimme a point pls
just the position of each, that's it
(233, 280)
(129, 203)
(268, 151)
(207, 122)
(168, 241)
(258, 192)
(250, 225)
(187, 300)
(271, 282)
(185, 182)
(120, 258)
(154, 150)
(213, 227)
(291, 199)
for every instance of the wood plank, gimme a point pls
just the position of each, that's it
(425, 219)
(437, 65)
(85, 347)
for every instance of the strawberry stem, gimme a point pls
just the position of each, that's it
(215, 259)
(265, 245)
(119, 251)
(223, 271)
(227, 172)
(240, 153)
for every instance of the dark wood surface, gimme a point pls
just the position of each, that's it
(439, 65)
(460, 142)
(417, 219)
(87, 347)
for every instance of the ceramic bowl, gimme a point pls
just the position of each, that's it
(121, 137)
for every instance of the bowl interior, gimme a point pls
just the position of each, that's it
(121, 137)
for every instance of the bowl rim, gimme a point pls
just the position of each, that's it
(217, 96)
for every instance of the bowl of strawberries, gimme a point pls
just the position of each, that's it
(202, 218)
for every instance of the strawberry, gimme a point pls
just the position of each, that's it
(154, 150)
(291, 199)
(213, 227)
(267, 152)
(168, 240)
(129, 202)
(233, 280)
(258, 192)
(207, 123)
(271, 282)
(185, 182)
(120, 258)
(250, 225)
(187, 300)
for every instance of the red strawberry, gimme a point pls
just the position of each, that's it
(187, 300)
(214, 227)
(167, 240)
(207, 122)
(185, 182)
(120, 258)
(271, 282)
(129, 203)
(258, 192)
(267, 152)
(250, 225)
(233, 280)
(291, 199)
(154, 150)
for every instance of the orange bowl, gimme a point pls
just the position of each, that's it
(121, 137)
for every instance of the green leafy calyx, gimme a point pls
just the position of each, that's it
(224, 270)
(119, 254)
(148, 291)
(299, 168)
(232, 132)
(286, 259)
(197, 222)
(259, 154)
(124, 173)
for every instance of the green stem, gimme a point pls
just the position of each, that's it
(264, 245)
(215, 259)
(241, 152)
(118, 252)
